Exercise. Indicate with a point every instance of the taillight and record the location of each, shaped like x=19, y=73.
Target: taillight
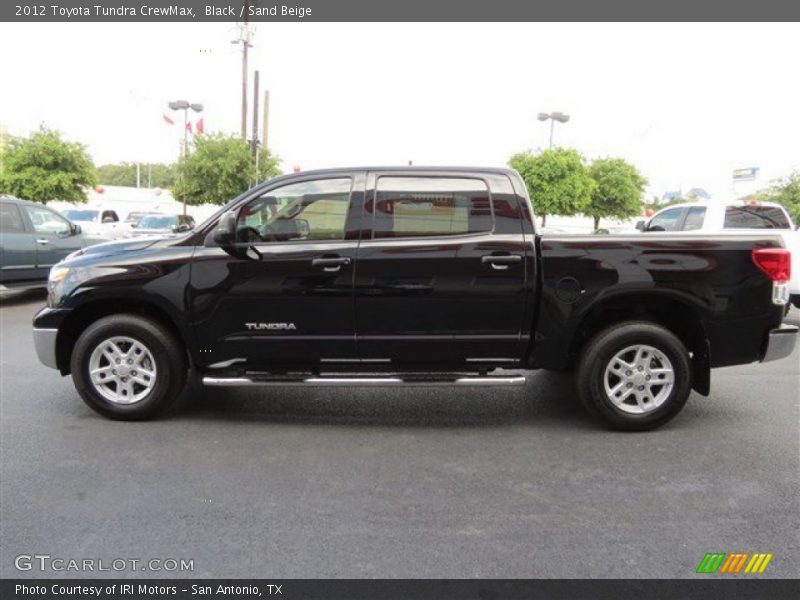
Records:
x=775, y=262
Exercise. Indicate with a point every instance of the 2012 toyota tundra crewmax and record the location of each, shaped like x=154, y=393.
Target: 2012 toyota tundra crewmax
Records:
x=411, y=276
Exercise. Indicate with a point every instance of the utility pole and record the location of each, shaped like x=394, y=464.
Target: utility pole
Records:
x=245, y=35
x=265, y=134
x=254, y=141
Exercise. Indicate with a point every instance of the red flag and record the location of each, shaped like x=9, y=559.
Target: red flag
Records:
x=200, y=127
x=168, y=120
x=189, y=126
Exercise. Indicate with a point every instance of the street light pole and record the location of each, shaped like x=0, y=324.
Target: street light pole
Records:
x=553, y=117
x=185, y=106
x=245, y=35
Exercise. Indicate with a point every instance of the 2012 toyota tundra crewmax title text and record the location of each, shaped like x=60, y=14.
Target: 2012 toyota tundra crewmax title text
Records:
x=392, y=276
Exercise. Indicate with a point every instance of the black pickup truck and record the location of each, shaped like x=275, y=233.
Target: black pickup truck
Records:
x=412, y=276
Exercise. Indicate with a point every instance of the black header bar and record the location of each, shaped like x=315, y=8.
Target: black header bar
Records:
x=397, y=10
x=739, y=587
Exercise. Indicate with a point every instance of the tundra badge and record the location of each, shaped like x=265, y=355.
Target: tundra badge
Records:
x=270, y=326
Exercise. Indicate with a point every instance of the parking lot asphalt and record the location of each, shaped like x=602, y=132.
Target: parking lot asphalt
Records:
x=407, y=483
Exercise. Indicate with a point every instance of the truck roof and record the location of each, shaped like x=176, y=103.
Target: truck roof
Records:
x=420, y=169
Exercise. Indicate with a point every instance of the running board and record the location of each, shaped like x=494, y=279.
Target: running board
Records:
x=361, y=381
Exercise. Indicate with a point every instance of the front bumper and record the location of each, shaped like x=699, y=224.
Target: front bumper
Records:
x=780, y=343
x=44, y=340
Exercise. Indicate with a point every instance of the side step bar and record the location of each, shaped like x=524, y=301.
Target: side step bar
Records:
x=361, y=381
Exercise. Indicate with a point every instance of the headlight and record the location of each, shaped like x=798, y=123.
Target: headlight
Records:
x=58, y=274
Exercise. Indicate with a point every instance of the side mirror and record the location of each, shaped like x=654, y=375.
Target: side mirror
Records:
x=225, y=233
x=76, y=229
x=181, y=228
x=641, y=225
x=134, y=225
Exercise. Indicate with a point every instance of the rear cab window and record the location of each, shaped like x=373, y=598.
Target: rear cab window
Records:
x=430, y=206
x=755, y=217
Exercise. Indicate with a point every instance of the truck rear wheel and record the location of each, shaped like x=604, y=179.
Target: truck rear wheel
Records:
x=128, y=367
x=634, y=375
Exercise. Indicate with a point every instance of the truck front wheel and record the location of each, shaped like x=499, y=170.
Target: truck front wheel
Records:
x=128, y=367
x=634, y=375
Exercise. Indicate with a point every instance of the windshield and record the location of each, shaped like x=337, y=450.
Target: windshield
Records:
x=81, y=215
x=158, y=222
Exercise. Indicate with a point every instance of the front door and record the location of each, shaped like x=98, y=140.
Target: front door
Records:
x=291, y=302
x=442, y=277
x=55, y=237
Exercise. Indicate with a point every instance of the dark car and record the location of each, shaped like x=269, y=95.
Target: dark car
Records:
x=411, y=276
x=33, y=238
x=157, y=224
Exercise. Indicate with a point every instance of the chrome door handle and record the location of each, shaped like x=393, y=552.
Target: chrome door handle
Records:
x=42, y=241
x=501, y=262
x=330, y=264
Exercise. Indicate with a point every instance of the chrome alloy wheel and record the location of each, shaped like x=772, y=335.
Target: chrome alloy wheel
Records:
x=122, y=370
x=638, y=379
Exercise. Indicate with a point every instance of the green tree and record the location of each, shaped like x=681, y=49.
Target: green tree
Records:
x=45, y=167
x=219, y=169
x=618, y=191
x=557, y=180
x=785, y=191
x=124, y=173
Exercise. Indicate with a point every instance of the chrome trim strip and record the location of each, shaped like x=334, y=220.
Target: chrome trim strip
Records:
x=361, y=381
x=44, y=340
x=516, y=380
x=780, y=343
x=492, y=360
x=355, y=360
x=662, y=236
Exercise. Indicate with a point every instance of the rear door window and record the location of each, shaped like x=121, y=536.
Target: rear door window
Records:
x=10, y=219
x=694, y=219
x=430, y=206
x=755, y=217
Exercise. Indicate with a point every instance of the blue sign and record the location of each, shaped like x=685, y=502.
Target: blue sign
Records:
x=748, y=174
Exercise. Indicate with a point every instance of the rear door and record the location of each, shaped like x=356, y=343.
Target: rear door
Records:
x=17, y=246
x=440, y=275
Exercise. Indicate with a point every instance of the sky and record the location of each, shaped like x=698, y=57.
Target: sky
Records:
x=685, y=103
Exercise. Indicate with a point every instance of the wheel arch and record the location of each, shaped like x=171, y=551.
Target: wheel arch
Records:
x=682, y=318
x=87, y=313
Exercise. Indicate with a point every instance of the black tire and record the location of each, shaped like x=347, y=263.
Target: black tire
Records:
x=167, y=353
x=604, y=346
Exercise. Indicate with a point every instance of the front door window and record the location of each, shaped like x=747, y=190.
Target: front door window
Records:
x=307, y=211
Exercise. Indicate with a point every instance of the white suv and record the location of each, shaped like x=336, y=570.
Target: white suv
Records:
x=733, y=217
